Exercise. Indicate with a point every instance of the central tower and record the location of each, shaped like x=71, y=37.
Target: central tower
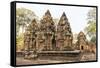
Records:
x=47, y=28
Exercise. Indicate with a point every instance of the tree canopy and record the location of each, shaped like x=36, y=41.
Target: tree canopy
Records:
x=91, y=24
x=23, y=18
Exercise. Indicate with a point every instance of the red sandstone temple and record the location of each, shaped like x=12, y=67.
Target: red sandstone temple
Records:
x=46, y=38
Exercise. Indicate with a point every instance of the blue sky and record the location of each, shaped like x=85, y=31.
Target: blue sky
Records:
x=77, y=16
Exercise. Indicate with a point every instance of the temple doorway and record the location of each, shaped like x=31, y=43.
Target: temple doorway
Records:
x=82, y=47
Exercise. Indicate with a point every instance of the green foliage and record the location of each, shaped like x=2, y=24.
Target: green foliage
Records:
x=23, y=18
x=91, y=24
x=93, y=39
x=92, y=14
x=91, y=28
x=20, y=42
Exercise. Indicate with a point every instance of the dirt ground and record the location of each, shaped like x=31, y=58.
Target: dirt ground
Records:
x=88, y=57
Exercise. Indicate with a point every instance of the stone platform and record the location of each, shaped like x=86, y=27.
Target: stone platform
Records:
x=59, y=55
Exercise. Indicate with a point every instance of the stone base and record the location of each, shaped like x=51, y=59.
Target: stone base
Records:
x=59, y=55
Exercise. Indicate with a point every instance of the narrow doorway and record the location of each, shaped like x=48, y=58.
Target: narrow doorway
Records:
x=82, y=47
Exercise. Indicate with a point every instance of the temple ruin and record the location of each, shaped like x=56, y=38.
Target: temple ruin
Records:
x=46, y=38
x=82, y=43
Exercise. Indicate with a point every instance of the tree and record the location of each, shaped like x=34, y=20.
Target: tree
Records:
x=91, y=25
x=23, y=18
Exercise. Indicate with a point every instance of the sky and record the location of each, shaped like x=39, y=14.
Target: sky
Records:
x=77, y=16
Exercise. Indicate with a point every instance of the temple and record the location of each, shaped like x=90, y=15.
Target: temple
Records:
x=82, y=43
x=30, y=38
x=46, y=38
x=45, y=35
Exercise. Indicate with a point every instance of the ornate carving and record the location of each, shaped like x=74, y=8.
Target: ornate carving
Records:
x=64, y=34
x=82, y=42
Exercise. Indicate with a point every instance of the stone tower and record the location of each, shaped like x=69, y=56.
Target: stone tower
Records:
x=33, y=29
x=46, y=33
x=64, y=34
x=29, y=38
x=82, y=42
